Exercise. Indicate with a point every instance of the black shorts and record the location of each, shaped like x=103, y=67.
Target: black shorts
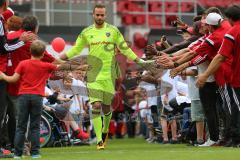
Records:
x=176, y=108
x=60, y=112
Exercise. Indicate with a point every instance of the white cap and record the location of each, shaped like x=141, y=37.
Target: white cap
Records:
x=213, y=19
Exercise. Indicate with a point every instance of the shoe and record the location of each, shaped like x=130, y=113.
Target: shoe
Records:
x=5, y=153
x=174, y=141
x=197, y=143
x=150, y=140
x=100, y=146
x=158, y=131
x=104, y=138
x=165, y=142
x=36, y=156
x=230, y=143
x=208, y=143
x=41, y=140
x=80, y=134
x=17, y=157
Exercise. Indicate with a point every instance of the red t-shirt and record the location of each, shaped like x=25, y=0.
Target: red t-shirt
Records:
x=34, y=74
x=194, y=45
x=209, y=49
x=17, y=56
x=231, y=49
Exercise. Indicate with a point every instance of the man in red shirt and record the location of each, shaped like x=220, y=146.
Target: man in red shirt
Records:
x=229, y=48
x=29, y=24
x=4, y=49
x=206, y=51
x=33, y=74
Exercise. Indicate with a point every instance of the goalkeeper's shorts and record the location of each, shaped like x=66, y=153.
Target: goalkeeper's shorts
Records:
x=101, y=91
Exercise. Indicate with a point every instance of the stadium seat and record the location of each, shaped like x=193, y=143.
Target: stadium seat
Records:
x=171, y=7
x=187, y=6
x=135, y=7
x=140, y=19
x=128, y=19
x=155, y=21
x=122, y=6
x=155, y=6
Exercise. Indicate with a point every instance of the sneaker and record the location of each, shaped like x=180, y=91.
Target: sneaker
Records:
x=36, y=156
x=198, y=142
x=80, y=134
x=5, y=153
x=104, y=138
x=17, y=157
x=41, y=140
x=174, y=141
x=100, y=145
x=165, y=142
x=208, y=143
x=231, y=143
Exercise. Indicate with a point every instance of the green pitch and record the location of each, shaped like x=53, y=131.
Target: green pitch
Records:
x=138, y=149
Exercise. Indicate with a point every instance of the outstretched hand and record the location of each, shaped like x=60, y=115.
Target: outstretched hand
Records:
x=174, y=72
x=165, y=61
x=151, y=50
x=147, y=64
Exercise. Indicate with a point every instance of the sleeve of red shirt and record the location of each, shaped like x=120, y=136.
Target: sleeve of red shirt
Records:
x=5, y=46
x=51, y=67
x=19, y=68
x=203, y=51
x=48, y=57
x=227, y=45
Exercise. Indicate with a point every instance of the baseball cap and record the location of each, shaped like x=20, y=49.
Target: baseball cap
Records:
x=213, y=19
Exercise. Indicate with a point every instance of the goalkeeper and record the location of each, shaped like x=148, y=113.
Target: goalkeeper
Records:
x=101, y=39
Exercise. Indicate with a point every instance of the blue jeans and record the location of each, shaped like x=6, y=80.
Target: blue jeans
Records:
x=28, y=105
x=3, y=106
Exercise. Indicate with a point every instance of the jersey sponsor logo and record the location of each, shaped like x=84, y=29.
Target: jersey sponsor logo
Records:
x=108, y=34
x=103, y=42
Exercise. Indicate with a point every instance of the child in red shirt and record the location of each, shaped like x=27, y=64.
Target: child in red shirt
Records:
x=33, y=74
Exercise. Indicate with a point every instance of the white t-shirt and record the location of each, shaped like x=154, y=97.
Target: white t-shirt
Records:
x=151, y=92
x=168, y=82
x=193, y=91
x=80, y=96
x=202, y=68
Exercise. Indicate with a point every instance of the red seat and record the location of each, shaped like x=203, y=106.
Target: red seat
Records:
x=171, y=6
x=187, y=6
x=140, y=19
x=155, y=6
x=127, y=19
x=155, y=21
x=135, y=7
x=122, y=6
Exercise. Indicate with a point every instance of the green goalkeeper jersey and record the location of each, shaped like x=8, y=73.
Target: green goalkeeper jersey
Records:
x=102, y=43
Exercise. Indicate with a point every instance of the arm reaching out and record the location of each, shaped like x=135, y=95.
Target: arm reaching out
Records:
x=10, y=79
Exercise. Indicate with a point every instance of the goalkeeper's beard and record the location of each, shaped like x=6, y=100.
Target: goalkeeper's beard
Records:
x=99, y=22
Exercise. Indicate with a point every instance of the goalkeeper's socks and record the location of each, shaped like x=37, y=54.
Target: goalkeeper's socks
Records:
x=106, y=121
x=97, y=125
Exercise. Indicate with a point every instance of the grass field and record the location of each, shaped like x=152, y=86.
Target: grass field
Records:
x=138, y=149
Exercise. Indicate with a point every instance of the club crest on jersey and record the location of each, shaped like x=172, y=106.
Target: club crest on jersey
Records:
x=108, y=34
